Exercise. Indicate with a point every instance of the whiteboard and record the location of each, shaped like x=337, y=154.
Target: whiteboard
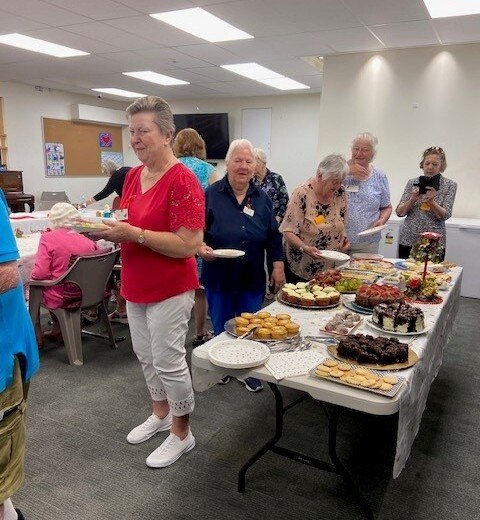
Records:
x=257, y=127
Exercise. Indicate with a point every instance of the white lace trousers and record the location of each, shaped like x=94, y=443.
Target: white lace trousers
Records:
x=158, y=333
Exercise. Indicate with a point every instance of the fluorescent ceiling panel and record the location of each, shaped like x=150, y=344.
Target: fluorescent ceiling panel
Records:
x=201, y=23
x=33, y=44
x=252, y=71
x=283, y=83
x=447, y=8
x=119, y=92
x=263, y=75
x=154, y=77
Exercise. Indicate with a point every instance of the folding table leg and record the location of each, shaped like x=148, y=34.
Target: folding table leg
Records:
x=340, y=468
x=266, y=447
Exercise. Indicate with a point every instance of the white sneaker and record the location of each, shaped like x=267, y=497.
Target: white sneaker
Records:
x=170, y=450
x=149, y=428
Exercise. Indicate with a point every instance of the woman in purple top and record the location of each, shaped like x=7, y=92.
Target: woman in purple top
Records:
x=368, y=195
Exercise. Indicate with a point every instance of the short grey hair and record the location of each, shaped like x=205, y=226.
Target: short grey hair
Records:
x=369, y=138
x=160, y=109
x=260, y=155
x=108, y=167
x=333, y=166
x=239, y=143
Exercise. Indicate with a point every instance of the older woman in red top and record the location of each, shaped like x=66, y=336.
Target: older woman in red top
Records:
x=163, y=231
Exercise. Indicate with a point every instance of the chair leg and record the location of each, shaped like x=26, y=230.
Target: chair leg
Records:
x=102, y=309
x=71, y=327
x=34, y=303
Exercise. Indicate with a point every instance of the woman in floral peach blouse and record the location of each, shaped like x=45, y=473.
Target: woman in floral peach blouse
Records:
x=315, y=220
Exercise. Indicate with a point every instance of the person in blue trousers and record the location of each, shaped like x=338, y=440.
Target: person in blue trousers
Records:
x=239, y=215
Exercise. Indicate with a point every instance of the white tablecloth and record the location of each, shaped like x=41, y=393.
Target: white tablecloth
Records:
x=38, y=220
x=409, y=402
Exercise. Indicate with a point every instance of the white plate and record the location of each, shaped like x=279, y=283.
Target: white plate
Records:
x=336, y=256
x=371, y=231
x=370, y=323
x=89, y=228
x=238, y=353
x=227, y=253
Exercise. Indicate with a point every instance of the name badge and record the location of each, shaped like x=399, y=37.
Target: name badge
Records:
x=320, y=219
x=352, y=188
x=248, y=211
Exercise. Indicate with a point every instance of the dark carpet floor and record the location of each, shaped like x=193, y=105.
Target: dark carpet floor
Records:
x=79, y=465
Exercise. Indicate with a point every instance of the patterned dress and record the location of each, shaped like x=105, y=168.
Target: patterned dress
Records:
x=274, y=186
x=419, y=220
x=319, y=225
x=365, y=200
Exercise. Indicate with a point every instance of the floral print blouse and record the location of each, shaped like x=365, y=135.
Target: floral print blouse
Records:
x=274, y=186
x=319, y=225
x=419, y=220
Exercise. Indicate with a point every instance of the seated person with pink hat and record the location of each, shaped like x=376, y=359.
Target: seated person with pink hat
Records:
x=53, y=258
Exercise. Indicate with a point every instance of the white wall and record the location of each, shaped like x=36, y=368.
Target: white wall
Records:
x=294, y=148
x=411, y=99
x=24, y=108
x=295, y=125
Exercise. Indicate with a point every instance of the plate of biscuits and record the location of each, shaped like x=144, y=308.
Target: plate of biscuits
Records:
x=358, y=377
x=263, y=325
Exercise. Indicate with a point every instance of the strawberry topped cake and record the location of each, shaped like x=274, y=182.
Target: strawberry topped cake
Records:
x=371, y=295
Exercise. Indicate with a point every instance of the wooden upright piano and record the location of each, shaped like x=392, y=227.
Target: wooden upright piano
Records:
x=11, y=182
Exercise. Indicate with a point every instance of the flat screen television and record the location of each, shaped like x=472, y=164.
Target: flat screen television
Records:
x=212, y=127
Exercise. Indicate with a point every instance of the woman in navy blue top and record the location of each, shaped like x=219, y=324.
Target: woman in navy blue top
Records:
x=239, y=215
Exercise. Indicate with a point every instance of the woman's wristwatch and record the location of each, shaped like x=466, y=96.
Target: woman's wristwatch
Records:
x=141, y=237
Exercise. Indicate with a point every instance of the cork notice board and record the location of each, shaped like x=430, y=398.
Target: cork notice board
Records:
x=81, y=144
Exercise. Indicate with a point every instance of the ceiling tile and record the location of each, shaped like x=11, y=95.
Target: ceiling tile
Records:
x=459, y=29
x=407, y=34
x=69, y=39
x=157, y=6
x=12, y=23
x=146, y=27
x=106, y=33
x=373, y=12
x=208, y=52
x=95, y=9
x=42, y=12
x=291, y=66
x=358, y=39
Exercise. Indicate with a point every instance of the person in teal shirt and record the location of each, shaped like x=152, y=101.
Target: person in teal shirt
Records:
x=18, y=362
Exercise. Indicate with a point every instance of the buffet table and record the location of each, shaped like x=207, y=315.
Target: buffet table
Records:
x=409, y=402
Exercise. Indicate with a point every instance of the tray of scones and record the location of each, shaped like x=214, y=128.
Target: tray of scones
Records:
x=358, y=377
x=265, y=326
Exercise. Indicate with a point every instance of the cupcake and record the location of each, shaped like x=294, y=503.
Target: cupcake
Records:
x=334, y=297
x=292, y=328
x=241, y=330
x=308, y=300
x=241, y=322
x=247, y=315
x=263, y=333
x=322, y=299
x=301, y=285
x=263, y=315
x=289, y=286
x=279, y=333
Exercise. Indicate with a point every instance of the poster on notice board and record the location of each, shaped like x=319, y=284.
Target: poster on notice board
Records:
x=55, y=159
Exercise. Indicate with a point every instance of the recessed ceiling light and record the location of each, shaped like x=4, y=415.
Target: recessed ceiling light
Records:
x=283, y=83
x=119, y=92
x=154, y=77
x=447, y=8
x=265, y=76
x=35, y=45
x=252, y=71
x=201, y=23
